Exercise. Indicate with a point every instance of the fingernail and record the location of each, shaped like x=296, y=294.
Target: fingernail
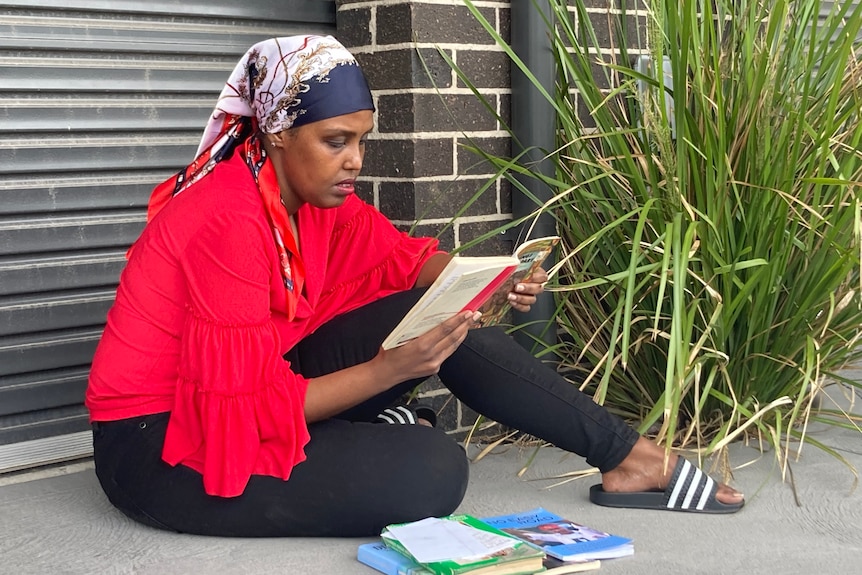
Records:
x=477, y=315
x=512, y=297
x=520, y=287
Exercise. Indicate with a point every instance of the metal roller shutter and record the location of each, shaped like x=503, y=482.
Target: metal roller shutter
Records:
x=99, y=101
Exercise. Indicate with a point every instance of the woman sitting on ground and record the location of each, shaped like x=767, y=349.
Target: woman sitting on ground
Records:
x=236, y=388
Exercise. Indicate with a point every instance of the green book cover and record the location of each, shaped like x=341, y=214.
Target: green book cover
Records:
x=519, y=559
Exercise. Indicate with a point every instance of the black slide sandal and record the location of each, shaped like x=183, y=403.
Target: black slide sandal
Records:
x=689, y=489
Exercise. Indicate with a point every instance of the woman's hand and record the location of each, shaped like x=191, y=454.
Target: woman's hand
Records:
x=422, y=356
x=523, y=295
x=332, y=393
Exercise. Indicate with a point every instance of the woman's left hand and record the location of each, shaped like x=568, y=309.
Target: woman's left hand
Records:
x=523, y=295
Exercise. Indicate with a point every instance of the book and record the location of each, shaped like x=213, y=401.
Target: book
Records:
x=477, y=283
x=390, y=562
x=560, y=538
x=554, y=566
x=531, y=255
x=494, y=552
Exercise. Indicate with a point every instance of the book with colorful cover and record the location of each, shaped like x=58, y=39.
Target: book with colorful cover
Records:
x=531, y=254
x=475, y=283
x=517, y=558
x=390, y=562
x=560, y=537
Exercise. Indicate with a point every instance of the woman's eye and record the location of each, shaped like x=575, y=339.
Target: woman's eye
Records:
x=335, y=143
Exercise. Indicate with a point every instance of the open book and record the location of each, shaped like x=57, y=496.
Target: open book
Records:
x=471, y=283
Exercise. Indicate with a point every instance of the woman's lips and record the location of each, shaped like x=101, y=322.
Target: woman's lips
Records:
x=346, y=187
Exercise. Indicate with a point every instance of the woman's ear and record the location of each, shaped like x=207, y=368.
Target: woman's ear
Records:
x=273, y=141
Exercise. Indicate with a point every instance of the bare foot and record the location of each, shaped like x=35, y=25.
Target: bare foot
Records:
x=643, y=470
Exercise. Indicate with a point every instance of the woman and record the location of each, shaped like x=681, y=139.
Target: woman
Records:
x=236, y=385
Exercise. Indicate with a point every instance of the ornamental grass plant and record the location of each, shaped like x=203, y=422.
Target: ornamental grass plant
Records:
x=708, y=190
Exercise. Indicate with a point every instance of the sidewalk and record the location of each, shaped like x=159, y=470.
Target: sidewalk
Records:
x=63, y=524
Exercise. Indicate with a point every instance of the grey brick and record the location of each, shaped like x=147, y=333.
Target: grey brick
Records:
x=584, y=115
x=398, y=200
x=505, y=30
x=493, y=246
x=431, y=23
x=608, y=33
x=433, y=113
x=390, y=158
x=405, y=68
x=439, y=113
x=412, y=200
x=396, y=113
x=365, y=191
x=445, y=234
x=444, y=24
x=403, y=158
x=485, y=69
x=615, y=4
x=354, y=27
x=505, y=196
x=394, y=24
x=434, y=157
x=470, y=162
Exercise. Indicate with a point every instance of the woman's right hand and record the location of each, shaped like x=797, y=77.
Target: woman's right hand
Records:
x=332, y=393
x=423, y=356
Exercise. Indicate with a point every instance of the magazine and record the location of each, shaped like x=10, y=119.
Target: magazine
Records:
x=560, y=537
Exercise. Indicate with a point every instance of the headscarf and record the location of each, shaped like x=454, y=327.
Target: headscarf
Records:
x=278, y=84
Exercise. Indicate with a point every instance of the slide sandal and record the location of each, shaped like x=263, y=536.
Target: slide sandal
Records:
x=408, y=414
x=689, y=489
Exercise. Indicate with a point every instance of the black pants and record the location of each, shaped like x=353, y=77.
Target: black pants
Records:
x=360, y=476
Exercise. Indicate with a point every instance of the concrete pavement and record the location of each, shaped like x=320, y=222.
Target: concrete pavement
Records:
x=58, y=521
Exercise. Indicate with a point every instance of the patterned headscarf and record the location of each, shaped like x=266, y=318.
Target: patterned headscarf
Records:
x=278, y=84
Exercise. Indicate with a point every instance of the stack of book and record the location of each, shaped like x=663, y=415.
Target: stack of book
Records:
x=535, y=541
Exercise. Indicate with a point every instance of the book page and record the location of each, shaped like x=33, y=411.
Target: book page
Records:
x=459, y=292
x=431, y=540
x=457, y=286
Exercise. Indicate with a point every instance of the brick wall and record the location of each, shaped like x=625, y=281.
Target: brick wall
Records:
x=415, y=168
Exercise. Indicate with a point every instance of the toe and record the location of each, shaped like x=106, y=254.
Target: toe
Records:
x=728, y=495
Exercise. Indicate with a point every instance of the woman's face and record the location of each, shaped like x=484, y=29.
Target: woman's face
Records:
x=318, y=163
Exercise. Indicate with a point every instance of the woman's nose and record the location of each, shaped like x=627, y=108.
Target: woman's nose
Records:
x=354, y=159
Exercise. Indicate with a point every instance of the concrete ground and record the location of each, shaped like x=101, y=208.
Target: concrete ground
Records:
x=58, y=521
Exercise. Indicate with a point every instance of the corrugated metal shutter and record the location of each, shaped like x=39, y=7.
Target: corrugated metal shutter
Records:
x=99, y=101
x=827, y=7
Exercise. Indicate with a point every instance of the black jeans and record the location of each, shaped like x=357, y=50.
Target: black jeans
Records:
x=360, y=476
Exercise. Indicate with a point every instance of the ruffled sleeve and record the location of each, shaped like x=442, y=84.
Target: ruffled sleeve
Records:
x=368, y=259
x=238, y=408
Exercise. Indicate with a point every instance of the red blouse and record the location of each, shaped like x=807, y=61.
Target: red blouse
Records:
x=198, y=327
